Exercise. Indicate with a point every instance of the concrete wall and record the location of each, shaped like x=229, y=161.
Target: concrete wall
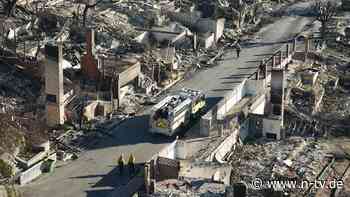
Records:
x=169, y=151
x=258, y=107
x=206, y=124
x=277, y=77
x=247, y=87
x=166, y=169
x=176, y=150
x=244, y=130
x=231, y=98
x=31, y=173
x=37, y=158
x=181, y=149
x=208, y=40
x=130, y=74
x=277, y=92
x=143, y=38
x=220, y=26
x=34, y=171
x=273, y=126
x=206, y=25
x=254, y=87
x=209, y=120
x=225, y=147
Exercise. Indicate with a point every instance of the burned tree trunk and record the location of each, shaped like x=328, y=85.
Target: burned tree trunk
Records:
x=86, y=9
x=324, y=11
x=240, y=9
x=323, y=30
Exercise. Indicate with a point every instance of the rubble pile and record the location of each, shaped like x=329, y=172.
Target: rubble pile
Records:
x=17, y=91
x=189, y=187
x=305, y=89
x=10, y=136
x=295, y=157
x=73, y=141
x=258, y=14
x=115, y=23
x=16, y=132
x=315, y=98
x=336, y=104
x=131, y=102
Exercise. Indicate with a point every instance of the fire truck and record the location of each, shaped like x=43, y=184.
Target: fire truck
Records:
x=176, y=111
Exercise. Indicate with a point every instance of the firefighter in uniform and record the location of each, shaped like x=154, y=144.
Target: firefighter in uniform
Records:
x=131, y=163
x=121, y=163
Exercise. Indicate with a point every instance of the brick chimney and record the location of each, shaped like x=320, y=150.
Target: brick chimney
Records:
x=90, y=42
x=89, y=62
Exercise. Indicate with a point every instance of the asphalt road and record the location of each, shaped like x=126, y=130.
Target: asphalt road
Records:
x=94, y=173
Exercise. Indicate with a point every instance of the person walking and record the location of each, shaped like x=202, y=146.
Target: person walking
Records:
x=238, y=49
x=131, y=163
x=121, y=164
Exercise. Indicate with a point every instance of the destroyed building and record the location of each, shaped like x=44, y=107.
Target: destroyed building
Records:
x=126, y=53
x=98, y=85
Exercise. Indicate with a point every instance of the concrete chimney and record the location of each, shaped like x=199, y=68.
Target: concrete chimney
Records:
x=54, y=84
x=277, y=91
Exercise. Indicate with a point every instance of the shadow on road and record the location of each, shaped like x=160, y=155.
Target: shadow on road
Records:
x=221, y=89
x=261, y=44
x=253, y=61
x=135, y=131
x=109, y=182
x=231, y=82
x=132, y=131
x=98, y=193
x=247, y=68
x=211, y=101
x=264, y=54
x=238, y=76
